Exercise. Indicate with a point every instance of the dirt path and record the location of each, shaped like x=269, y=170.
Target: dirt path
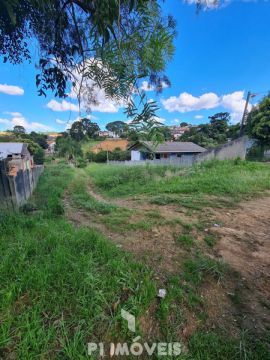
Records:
x=243, y=300
x=245, y=245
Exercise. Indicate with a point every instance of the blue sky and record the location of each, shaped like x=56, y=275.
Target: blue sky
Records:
x=220, y=55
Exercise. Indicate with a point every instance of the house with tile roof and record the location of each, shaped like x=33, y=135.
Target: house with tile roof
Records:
x=144, y=150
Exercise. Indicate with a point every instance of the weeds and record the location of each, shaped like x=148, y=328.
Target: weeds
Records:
x=186, y=240
x=232, y=181
x=59, y=284
x=210, y=240
x=196, y=268
x=63, y=286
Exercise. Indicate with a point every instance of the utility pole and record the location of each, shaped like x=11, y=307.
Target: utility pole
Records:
x=244, y=114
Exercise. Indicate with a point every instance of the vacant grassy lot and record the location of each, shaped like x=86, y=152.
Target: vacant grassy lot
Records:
x=64, y=285
x=233, y=180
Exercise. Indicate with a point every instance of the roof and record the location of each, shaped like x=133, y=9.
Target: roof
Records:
x=9, y=148
x=110, y=145
x=170, y=147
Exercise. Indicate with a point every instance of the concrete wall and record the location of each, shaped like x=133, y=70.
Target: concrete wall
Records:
x=184, y=160
x=15, y=190
x=231, y=150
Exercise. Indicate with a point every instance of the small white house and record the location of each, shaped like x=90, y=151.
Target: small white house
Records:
x=147, y=150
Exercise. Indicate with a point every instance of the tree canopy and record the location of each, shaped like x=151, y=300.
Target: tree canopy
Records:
x=36, y=142
x=258, y=123
x=67, y=147
x=87, y=45
x=83, y=128
x=117, y=127
x=212, y=134
x=18, y=129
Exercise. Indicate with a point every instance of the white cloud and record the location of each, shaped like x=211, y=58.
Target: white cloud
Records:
x=38, y=126
x=11, y=89
x=176, y=121
x=198, y=117
x=29, y=126
x=208, y=4
x=62, y=106
x=91, y=117
x=160, y=120
x=13, y=113
x=233, y=103
x=92, y=97
x=4, y=121
x=21, y=121
x=61, y=122
x=100, y=103
x=187, y=102
x=147, y=87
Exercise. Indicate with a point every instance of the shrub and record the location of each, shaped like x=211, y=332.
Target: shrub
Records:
x=39, y=156
x=119, y=155
x=100, y=157
x=90, y=156
x=81, y=162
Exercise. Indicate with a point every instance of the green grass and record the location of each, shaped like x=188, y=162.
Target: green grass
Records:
x=196, y=268
x=186, y=240
x=230, y=180
x=210, y=239
x=83, y=199
x=60, y=284
x=212, y=346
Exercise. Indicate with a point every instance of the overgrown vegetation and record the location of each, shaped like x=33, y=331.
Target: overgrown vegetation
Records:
x=230, y=180
x=218, y=131
x=62, y=286
x=59, y=284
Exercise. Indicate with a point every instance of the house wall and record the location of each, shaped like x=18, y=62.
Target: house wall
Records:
x=135, y=155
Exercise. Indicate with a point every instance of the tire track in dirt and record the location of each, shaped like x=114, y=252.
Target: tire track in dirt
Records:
x=244, y=243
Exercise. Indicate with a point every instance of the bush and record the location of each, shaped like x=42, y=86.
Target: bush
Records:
x=39, y=156
x=81, y=162
x=115, y=155
x=100, y=157
x=119, y=155
x=90, y=156
x=256, y=153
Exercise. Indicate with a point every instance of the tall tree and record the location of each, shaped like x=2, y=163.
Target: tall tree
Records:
x=68, y=148
x=40, y=139
x=117, y=127
x=83, y=128
x=19, y=130
x=258, y=123
x=183, y=124
x=211, y=134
